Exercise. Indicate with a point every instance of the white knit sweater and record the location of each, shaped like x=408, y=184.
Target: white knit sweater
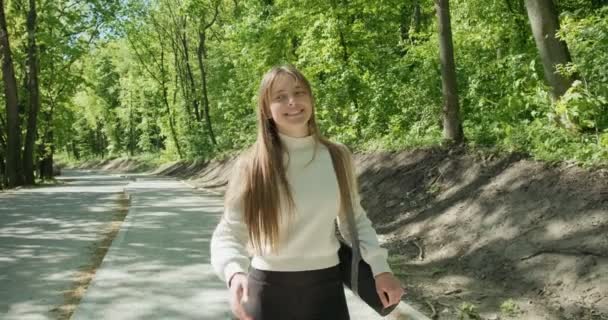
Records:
x=307, y=240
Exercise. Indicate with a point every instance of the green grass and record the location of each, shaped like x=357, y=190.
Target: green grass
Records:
x=509, y=308
x=468, y=311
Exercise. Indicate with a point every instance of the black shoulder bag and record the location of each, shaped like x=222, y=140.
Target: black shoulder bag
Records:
x=356, y=273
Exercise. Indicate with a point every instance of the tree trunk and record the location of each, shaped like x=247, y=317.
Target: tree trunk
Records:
x=3, y=178
x=163, y=83
x=180, y=76
x=352, y=92
x=13, y=130
x=100, y=138
x=190, y=76
x=131, y=124
x=75, y=151
x=544, y=21
x=202, y=54
x=46, y=164
x=34, y=99
x=452, y=129
x=46, y=168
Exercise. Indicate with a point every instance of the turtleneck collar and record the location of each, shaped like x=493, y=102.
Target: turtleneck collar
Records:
x=292, y=143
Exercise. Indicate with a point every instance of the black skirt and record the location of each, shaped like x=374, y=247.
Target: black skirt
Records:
x=299, y=295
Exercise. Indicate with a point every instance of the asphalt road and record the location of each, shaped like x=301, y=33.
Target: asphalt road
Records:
x=157, y=267
x=46, y=235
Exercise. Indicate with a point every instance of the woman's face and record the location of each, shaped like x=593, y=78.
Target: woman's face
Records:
x=290, y=106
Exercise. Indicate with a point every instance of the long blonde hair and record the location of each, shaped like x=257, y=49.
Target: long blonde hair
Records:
x=261, y=172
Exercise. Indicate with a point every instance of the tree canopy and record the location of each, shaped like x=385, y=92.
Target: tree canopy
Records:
x=179, y=78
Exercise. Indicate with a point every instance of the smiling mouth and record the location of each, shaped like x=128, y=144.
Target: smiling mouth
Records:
x=295, y=113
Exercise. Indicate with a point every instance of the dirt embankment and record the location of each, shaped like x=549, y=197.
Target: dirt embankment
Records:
x=502, y=238
x=480, y=237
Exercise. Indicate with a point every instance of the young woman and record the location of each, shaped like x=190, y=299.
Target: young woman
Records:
x=280, y=207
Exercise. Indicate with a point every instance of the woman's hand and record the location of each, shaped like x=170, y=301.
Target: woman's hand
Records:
x=238, y=294
x=389, y=289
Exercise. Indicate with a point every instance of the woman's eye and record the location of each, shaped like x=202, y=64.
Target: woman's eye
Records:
x=300, y=93
x=280, y=97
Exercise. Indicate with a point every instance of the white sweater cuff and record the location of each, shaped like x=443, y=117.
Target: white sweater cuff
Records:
x=231, y=269
x=379, y=265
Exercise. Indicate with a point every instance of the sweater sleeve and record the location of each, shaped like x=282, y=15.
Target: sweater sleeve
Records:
x=371, y=252
x=228, y=242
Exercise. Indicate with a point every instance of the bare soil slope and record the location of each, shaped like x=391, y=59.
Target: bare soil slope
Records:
x=503, y=238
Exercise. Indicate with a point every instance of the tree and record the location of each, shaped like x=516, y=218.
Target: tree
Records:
x=160, y=75
x=65, y=42
x=452, y=128
x=3, y=177
x=34, y=96
x=13, y=151
x=373, y=67
x=553, y=51
x=201, y=54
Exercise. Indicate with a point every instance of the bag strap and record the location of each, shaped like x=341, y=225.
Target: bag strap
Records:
x=354, y=235
x=352, y=229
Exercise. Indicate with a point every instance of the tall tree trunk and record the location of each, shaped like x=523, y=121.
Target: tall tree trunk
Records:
x=545, y=23
x=192, y=86
x=34, y=96
x=202, y=54
x=13, y=130
x=46, y=163
x=45, y=168
x=452, y=128
x=163, y=83
x=131, y=124
x=180, y=79
x=352, y=91
x=101, y=141
x=75, y=151
x=3, y=178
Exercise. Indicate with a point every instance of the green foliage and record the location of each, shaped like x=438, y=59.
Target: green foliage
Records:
x=587, y=37
x=374, y=70
x=468, y=311
x=581, y=109
x=509, y=308
x=505, y=104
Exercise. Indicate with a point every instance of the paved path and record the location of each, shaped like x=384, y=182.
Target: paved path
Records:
x=156, y=268
x=46, y=236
